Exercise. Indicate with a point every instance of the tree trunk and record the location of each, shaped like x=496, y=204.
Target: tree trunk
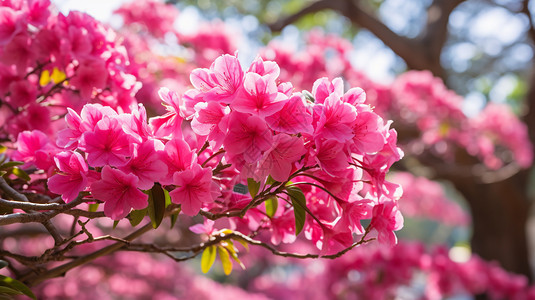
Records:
x=500, y=212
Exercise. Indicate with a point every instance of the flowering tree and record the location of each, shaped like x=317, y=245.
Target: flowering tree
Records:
x=238, y=155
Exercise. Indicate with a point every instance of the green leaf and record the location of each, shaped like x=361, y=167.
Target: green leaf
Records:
x=16, y=285
x=208, y=258
x=2, y=149
x=270, y=180
x=93, y=207
x=167, y=197
x=156, y=205
x=254, y=187
x=115, y=223
x=272, y=204
x=174, y=218
x=3, y=264
x=10, y=164
x=299, y=204
x=225, y=260
x=4, y=290
x=136, y=216
x=21, y=174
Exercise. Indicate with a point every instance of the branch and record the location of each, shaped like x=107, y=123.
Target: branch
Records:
x=525, y=9
x=421, y=53
x=29, y=205
x=21, y=198
x=312, y=8
x=195, y=250
x=35, y=279
x=39, y=217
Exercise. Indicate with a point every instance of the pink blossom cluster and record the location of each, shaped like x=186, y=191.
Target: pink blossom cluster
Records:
x=147, y=278
x=160, y=62
x=233, y=129
x=155, y=17
x=425, y=198
x=324, y=56
x=408, y=271
x=267, y=130
x=51, y=61
x=210, y=40
x=428, y=115
x=500, y=126
x=424, y=100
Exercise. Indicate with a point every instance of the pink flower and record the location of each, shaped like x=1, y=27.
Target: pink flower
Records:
x=38, y=12
x=247, y=135
x=71, y=179
x=352, y=213
x=11, y=22
x=221, y=81
x=178, y=157
x=368, y=133
x=34, y=147
x=278, y=160
x=90, y=74
x=206, y=228
x=135, y=123
x=108, y=144
x=92, y=113
x=355, y=96
x=76, y=125
x=19, y=52
x=262, y=68
x=207, y=117
x=386, y=219
x=259, y=96
x=22, y=92
x=323, y=88
x=336, y=119
x=170, y=123
x=331, y=156
x=146, y=164
x=193, y=188
x=119, y=192
x=293, y=118
x=283, y=228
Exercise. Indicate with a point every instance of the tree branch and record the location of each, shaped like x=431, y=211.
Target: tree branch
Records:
x=312, y=8
x=35, y=279
x=422, y=53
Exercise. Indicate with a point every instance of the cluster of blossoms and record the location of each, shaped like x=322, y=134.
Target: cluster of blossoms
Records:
x=49, y=62
x=407, y=271
x=421, y=99
x=162, y=56
x=246, y=130
x=147, y=279
x=428, y=115
x=426, y=199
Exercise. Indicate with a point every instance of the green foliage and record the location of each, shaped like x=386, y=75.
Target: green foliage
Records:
x=136, y=216
x=271, y=206
x=299, y=205
x=253, y=186
x=156, y=208
x=12, y=286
